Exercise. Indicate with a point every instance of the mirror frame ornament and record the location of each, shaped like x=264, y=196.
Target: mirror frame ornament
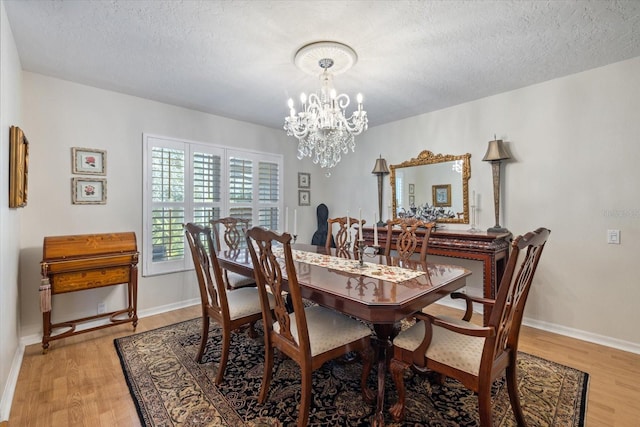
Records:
x=426, y=157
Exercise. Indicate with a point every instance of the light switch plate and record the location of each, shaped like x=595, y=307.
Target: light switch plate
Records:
x=613, y=237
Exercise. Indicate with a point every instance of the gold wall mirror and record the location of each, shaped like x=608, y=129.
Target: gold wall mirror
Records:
x=433, y=187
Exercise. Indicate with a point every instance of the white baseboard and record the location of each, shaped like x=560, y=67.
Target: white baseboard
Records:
x=563, y=330
x=583, y=335
x=10, y=386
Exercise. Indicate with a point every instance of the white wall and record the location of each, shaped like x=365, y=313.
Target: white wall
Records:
x=575, y=148
x=60, y=115
x=10, y=94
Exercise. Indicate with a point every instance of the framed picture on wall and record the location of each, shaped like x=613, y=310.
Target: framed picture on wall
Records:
x=412, y=200
x=412, y=188
x=304, y=180
x=441, y=195
x=88, y=161
x=88, y=191
x=304, y=197
x=18, y=167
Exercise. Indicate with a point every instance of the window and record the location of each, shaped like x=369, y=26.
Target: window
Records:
x=186, y=181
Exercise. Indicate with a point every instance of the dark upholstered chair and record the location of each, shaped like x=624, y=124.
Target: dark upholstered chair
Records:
x=231, y=231
x=231, y=309
x=472, y=354
x=310, y=336
x=343, y=238
x=406, y=242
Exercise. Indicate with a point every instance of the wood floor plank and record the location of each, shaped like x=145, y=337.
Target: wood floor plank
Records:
x=79, y=382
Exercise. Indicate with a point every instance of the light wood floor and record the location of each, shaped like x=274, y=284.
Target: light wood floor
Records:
x=80, y=381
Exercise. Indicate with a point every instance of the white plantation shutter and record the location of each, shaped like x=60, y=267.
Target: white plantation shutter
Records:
x=186, y=181
x=268, y=194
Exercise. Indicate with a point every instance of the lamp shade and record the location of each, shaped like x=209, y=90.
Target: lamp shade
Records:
x=380, y=167
x=495, y=151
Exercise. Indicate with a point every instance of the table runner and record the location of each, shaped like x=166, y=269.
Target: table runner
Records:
x=378, y=271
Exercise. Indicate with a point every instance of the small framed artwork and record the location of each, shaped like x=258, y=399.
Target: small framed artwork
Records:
x=88, y=161
x=412, y=189
x=18, y=167
x=412, y=200
x=89, y=191
x=304, y=197
x=304, y=180
x=441, y=195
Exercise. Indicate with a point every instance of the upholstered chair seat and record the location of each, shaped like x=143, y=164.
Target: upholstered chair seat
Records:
x=244, y=302
x=460, y=351
x=327, y=329
x=236, y=281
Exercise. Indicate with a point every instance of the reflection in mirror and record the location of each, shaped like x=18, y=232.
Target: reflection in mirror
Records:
x=432, y=187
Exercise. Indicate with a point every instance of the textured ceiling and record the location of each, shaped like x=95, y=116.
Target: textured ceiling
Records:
x=235, y=58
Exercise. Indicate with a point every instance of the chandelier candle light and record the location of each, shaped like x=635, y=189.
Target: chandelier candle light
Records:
x=321, y=126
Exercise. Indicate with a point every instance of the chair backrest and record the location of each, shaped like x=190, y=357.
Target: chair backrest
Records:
x=407, y=240
x=212, y=291
x=269, y=273
x=230, y=230
x=507, y=312
x=343, y=240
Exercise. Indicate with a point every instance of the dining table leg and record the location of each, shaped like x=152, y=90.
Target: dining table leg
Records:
x=384, y=336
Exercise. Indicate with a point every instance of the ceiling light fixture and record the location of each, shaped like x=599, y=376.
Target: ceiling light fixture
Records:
x=321, y=126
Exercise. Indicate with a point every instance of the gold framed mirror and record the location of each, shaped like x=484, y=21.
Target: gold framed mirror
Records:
x=434, y=187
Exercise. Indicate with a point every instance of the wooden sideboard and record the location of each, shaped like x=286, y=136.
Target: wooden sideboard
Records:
x=86, y=261
x=492, y=249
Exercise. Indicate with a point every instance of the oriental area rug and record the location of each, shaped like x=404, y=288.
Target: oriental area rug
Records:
x=170, y=388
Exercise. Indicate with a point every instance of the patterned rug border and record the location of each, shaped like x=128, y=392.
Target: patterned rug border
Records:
x=145, y=420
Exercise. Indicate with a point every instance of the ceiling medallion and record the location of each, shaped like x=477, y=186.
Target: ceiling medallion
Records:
x=321, y=126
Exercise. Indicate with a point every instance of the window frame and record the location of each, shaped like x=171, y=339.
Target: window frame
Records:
x=151, y=268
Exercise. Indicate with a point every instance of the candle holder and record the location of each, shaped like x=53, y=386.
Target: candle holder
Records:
x=473, y=228
x=362, y=247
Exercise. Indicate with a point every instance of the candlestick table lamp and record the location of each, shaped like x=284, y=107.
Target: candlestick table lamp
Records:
x=496, y=154
x=381, y=170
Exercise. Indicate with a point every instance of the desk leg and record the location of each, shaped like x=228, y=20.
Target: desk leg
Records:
x=384, y=335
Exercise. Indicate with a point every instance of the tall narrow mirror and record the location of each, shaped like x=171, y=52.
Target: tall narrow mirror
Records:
x=433, y=187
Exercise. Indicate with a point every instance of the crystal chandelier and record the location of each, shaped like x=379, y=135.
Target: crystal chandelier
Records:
x=322, y=127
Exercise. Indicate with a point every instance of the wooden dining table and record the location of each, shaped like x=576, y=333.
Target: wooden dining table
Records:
x=379, y=301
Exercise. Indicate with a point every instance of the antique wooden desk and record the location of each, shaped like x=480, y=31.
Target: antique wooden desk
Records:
x=87, y=261
x=380, y=302
x=492, y=249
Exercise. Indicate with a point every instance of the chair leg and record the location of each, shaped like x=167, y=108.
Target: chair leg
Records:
x=367, y=361
x=397, y=369
x=204, y=338
x=252, y=331
x=514, y=397
x=266, y=376
x=484, y=404
x=305, y=401
x=224, y=356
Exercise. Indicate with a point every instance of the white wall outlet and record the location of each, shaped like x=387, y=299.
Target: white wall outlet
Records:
x=102, y=307
x=613, y=237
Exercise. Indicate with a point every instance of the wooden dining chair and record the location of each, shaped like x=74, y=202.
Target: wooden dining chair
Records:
x=343, y=238
x=310, y=336
x=472, y=354
x=231, y=230
x=231, y=309
x=407, y=240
